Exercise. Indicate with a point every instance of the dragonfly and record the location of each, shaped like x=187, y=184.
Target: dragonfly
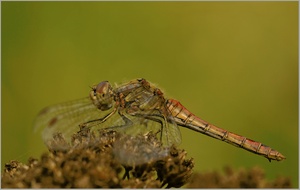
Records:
x=137, y=107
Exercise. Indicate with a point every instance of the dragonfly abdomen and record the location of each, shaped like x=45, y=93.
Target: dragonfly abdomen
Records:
x=185, y=118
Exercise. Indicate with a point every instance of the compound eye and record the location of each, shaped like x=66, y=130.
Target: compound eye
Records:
x=102, y=87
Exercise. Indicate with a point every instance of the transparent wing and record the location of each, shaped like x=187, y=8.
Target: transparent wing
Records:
x=65, y=118
x=173, y=132
x=140, y=149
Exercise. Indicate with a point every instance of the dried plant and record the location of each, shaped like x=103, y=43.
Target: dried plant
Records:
x=241, y=178
x=108, y=159
x=104, y=160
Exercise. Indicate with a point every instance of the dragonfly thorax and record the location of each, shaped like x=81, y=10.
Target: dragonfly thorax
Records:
x=102, y=96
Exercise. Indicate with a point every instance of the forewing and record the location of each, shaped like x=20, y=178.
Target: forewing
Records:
x=65, y=118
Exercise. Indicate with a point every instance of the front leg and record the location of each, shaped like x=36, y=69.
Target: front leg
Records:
x=120, y=105
x=94, y=122
x=127, y=122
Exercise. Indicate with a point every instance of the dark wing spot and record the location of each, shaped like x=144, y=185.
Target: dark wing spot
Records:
x=52, y=121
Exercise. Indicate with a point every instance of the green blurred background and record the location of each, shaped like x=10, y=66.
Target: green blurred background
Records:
x=234, y=64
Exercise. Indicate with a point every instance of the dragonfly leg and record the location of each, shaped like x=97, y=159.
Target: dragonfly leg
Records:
x=127, y=123
x=97, y=121
x=156, y=118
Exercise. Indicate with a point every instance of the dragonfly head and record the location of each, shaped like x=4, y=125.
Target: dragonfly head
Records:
x=102, y=95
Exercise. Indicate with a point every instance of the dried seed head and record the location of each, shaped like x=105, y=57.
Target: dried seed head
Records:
x=96, y=159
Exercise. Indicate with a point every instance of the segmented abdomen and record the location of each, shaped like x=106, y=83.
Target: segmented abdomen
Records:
x=185, y=118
